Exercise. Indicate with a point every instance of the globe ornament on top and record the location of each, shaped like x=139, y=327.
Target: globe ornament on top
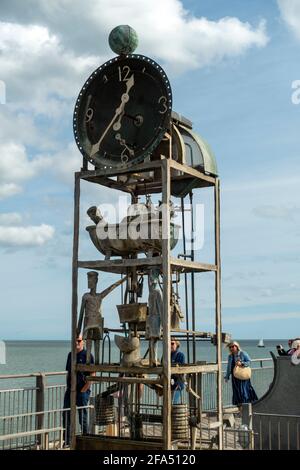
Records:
x=123, y=40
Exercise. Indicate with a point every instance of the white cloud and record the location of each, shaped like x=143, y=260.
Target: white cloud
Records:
x=64, y=41
x=15, y=167
x=11, y=218
x=25, y=236
x=66, y=162
x=9, y=189
x=290, y=12
x=199, y=42
x=29, y=52
x=21, y=128
x=48, y=49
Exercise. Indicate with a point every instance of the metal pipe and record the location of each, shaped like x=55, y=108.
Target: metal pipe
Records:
x=185, y=283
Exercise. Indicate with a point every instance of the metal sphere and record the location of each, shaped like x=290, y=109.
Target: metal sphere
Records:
x=123, y=40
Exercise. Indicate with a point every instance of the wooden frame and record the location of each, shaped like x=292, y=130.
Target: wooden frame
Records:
x=169, y=265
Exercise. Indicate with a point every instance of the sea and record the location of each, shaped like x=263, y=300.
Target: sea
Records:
x=26, y=357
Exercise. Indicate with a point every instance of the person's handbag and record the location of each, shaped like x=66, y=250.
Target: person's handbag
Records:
x=242, y=373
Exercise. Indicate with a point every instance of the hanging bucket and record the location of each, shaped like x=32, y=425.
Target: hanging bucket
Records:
x=180, y=424
x=104, y=410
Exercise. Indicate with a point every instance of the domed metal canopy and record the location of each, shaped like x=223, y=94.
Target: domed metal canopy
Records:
x=193, y=149
x=198, y=153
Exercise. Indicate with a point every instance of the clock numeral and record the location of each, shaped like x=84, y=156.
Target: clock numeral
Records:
x=124, y=158
x=163, y=100
x=143, y=71
x=89, y=114
x=105, y=79
x=124, y=73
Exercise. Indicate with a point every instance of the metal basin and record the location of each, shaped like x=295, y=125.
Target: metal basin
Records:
x=131, y=238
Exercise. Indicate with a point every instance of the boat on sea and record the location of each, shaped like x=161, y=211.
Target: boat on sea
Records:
x=261, y=343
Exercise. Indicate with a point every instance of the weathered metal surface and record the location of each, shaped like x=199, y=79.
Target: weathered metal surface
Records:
x=123, y=39
x=201, y=155
x=179, y=417
x=132, y=313
x=104, y=410
x=172, y=174
x=141, y=233
x=94, y=127
x=282, y=398
x=121, y=266
x=130, y=349
x=195, y=153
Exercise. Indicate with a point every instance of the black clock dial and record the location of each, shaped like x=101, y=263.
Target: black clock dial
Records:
x=122, y=111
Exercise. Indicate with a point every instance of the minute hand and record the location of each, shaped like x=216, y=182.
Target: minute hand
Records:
x=119, y=110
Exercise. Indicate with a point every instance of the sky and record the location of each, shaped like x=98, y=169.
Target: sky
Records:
x=233, y=68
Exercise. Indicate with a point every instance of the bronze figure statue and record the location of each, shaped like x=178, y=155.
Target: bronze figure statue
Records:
x=91, y=315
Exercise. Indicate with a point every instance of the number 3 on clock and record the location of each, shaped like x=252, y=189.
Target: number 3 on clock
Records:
x=162, y=100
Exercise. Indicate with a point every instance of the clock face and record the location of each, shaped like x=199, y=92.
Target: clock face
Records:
x=122, y=111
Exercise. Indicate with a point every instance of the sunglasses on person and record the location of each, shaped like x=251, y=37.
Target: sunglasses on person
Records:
x=232, y=347
x=79, y=340
x=172, y=343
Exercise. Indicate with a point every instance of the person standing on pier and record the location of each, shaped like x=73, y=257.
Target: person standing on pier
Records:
x=242, y=390
x=177, y=380
x=82, y=391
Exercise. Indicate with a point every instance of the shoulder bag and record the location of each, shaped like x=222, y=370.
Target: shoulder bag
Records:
x=242, y=373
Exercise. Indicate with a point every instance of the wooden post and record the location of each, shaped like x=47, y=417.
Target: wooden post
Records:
x=40, y=403
x=166, y=194
x=218, y=310
x=74, y=308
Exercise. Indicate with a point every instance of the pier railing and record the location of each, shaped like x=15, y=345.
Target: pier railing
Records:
x=33, y=402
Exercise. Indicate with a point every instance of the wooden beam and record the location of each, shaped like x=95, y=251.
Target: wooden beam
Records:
x=109, y=183
x=125, y=380
x=188, y=170
x=194, y=369
x=91, y=175
x=166, y=251
x=190, y=266
x=113, y=368
x=74, y=308
x=119, y=266
x=143, y=167
x=218, y=309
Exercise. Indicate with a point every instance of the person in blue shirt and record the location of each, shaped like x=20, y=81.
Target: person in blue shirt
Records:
x=82, y=391
x=177, y=380
x=242, y=390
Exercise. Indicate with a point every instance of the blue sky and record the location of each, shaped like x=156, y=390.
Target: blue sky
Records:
x=231, y=66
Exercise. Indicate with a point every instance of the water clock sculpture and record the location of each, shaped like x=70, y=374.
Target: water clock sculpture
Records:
x=132, y=141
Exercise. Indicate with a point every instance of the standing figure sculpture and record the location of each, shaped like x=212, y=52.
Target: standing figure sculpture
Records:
x=91, y=315
x=155, y=310
x=176, y=312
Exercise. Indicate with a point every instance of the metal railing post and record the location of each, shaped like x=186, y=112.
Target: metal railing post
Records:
x=40, y=403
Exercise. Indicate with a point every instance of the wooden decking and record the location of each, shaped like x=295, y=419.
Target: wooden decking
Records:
x=206, y=433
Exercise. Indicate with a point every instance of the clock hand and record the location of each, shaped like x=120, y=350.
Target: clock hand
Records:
x=117, y=124
x=118, y=112
x=126, y=151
